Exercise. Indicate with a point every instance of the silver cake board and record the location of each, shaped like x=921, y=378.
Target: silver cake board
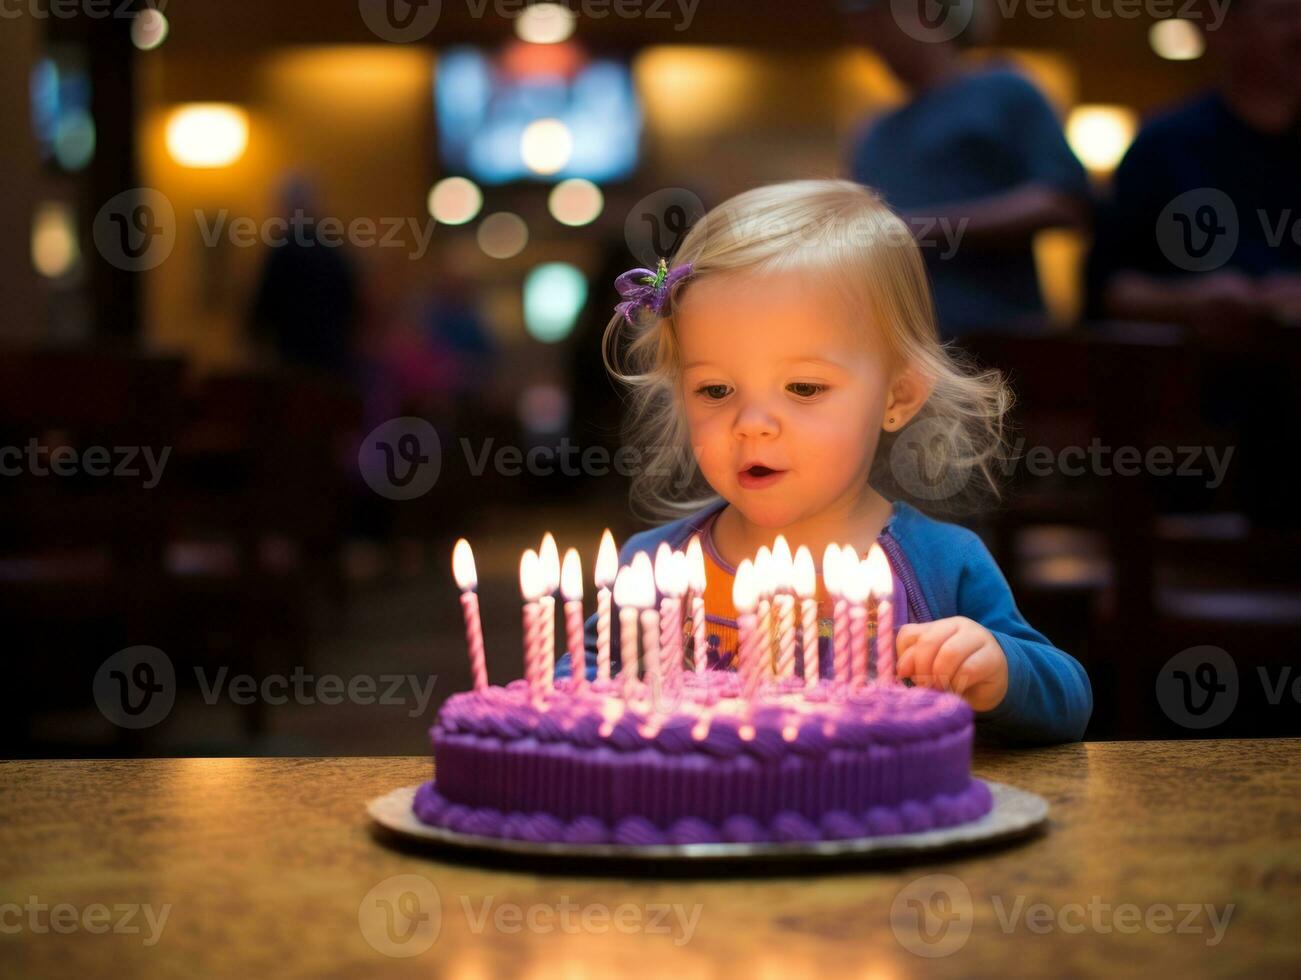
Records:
x=1016, y=814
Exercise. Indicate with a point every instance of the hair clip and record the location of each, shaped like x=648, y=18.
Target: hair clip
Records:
x=644, y=289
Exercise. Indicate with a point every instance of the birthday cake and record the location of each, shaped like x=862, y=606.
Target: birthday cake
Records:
x=589, y=764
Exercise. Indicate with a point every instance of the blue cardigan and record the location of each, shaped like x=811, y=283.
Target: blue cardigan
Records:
x=1048, y=694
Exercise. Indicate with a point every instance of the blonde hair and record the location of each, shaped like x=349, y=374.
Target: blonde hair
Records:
x=843, y=231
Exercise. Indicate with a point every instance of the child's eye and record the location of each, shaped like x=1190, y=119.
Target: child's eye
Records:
x=712, y=393
x=805, y=389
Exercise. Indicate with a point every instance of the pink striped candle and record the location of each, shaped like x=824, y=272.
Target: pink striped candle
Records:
x=530, y=586
x=857, y=594
x=607, y=565
x=467, y=579
x=881, y=579
x=696, y=578
x=806, y=588
x=571, y=587
x=832, y=577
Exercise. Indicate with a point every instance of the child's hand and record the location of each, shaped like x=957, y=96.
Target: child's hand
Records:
x=957, y=655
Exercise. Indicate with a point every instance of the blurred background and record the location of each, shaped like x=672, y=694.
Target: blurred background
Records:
x=296, y=294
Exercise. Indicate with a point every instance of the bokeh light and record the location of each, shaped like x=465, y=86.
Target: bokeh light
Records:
x=545, y=23
x=543, y=409
x=546, y=146
x=554, y=294
x=207, y=134
x=74, y=139
x=575, y=202
x=1100, y=135
x=54, y=240
x=455, y=200
x=1176, y=39
x=149, y=29
x=502, y=235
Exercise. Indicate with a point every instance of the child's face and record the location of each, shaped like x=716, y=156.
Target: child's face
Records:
x=775, y=373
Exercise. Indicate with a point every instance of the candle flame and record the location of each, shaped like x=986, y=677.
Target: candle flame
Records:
x=879, y=578
x=549, y=559
x=463, y=566
x=831, y=570
x=624, y=590
x=571, y=576
x=696, y=565
x=664, y=567
x=607, y=561
x=643, y=581
x=530, y=576
x=745, y=590
x=783, y=566
x=856, y=584
x=806, y=580
x=680, y=574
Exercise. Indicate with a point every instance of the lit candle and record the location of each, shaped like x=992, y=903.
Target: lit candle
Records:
x=806, y=586
x=625, y=595
x=466, y=580
x=644, y=577
x=678, y=580
x=745, y=596
x=571, y=585
x=762, y=561
x=696, y=576
x=882, y=583
x=549, y=563
x=833, y=579
x=670, y=612
x=530, y=582
x=783, y=574
x=607, y=564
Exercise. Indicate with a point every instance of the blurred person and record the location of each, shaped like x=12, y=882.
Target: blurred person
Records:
x=975, y=161
x=1236, y=152
x=306, y=304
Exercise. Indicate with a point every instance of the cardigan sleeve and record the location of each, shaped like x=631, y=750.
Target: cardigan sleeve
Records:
x=1049, y=698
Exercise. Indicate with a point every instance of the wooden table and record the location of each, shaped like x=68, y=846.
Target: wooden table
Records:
x=270, y=868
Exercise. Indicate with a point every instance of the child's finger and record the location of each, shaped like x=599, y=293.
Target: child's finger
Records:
x=922, y=654
x=952, y=654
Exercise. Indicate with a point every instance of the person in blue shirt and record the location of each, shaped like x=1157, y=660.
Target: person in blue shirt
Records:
x=975, y=160
x=786, y=377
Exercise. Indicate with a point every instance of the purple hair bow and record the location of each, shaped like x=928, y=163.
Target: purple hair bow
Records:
x=644, y=289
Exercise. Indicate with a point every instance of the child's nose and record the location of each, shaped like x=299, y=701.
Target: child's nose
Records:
x=754, y=421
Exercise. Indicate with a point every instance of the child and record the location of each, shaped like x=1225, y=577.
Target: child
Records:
x=792, y=348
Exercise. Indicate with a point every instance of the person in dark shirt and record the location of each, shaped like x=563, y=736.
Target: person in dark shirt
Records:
x=976, y=161
x=1203, y=226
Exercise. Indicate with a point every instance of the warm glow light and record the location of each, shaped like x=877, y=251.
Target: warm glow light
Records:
x=463, y=569
x=54, y=240
x=854, y=579
x=207, y=134
x=696, y=565
x=1176, y=39
x=745, y=589
x=806, y=579
x=546, y=146
x=544, y=23
x=607, y=561
x=530, y=576
x=503, y=235
x=455, y=200
x=692, y=91
x=879, y=578
x=571, y=576
x=663, y=567
x=783, y=565
x=1100, y=135
x=575, y=202
x=149, y=29
x=643, y=581
x=549, y=562
x=625, y=588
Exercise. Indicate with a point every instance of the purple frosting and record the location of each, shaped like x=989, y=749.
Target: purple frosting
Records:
x=584, y=766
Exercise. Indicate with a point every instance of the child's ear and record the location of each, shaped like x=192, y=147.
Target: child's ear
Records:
x=908, y=393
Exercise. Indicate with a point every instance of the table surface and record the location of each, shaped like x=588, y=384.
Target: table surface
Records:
x=1180, y=855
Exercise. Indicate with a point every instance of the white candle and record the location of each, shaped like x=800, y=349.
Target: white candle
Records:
x=832, y=578
x=745, y=594
x=881, y=581
x=762, y=563
x=607, y=565
x=530, y=586
x=670, y=610
x=571, y=586
x=783, y=569
x=857, y=594
x=467, y=579
x=806, y=586
x=696, y=577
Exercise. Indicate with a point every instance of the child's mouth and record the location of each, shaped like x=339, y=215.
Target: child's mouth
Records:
x=757, y=477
